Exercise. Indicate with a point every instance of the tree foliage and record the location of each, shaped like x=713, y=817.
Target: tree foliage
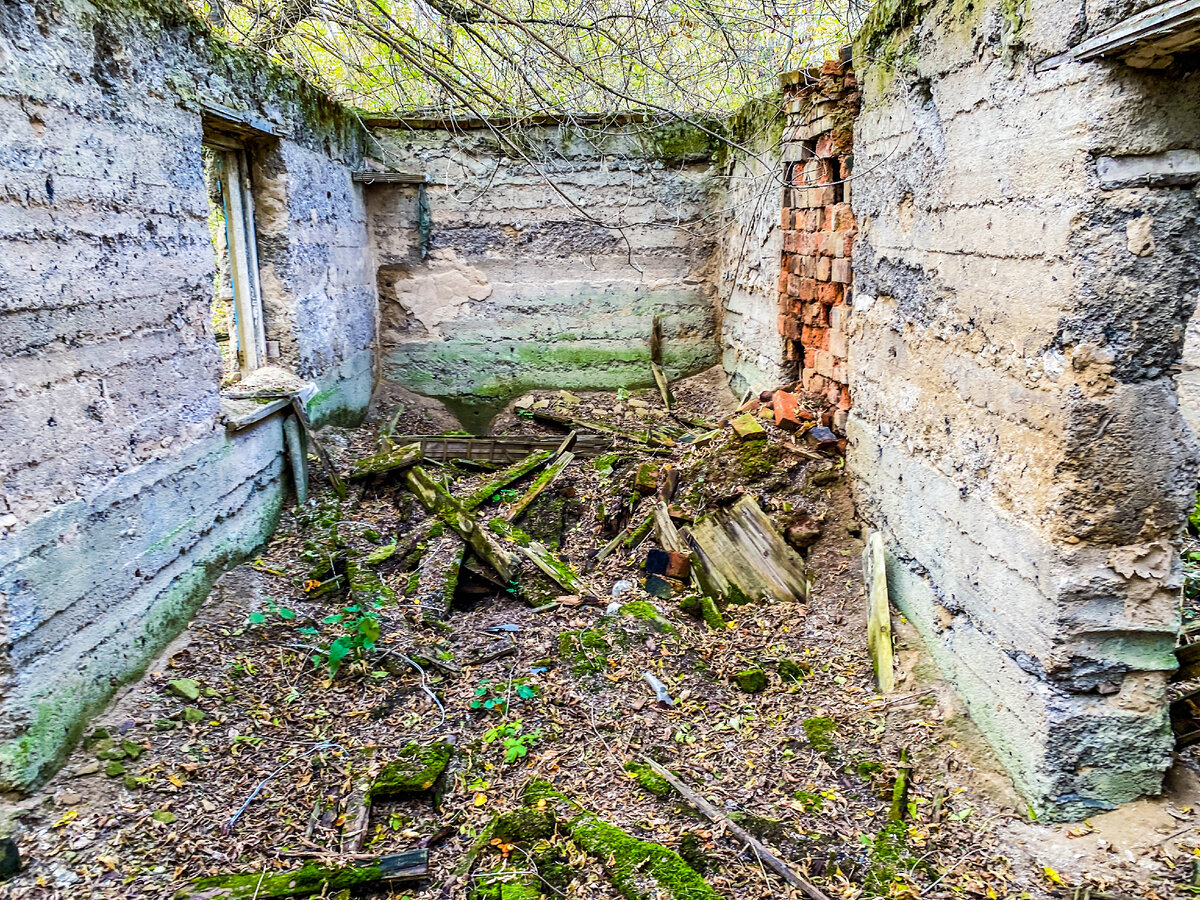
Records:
x=521, y=57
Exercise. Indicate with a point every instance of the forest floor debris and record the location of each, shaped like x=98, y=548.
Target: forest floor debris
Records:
x=364, y=688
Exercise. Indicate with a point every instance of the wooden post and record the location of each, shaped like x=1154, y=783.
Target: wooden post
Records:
x=879, y=617
x=297, y=448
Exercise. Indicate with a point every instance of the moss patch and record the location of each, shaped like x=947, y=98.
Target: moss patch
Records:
x=311, y=879
x=414, y=771
x=585, y=650
x=791, y=670
x=524, y=826
x=649, y=779
x=818, y=731
x=640, y=609
x=703, y=607
x=751, y=681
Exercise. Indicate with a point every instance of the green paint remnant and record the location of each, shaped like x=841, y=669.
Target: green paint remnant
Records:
x=185, y=688
x=751, y=681
x=585, y=650
x=649, y=779
x=818, y=730
x=414, y=771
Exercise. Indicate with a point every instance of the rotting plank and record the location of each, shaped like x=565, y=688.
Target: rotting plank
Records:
x=437, y=500
x=313, y=878
x=540, y=484
x=388, y=461
x=502, y=450
x=506, y=477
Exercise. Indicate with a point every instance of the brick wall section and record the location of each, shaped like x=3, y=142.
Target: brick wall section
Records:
x=816, y=277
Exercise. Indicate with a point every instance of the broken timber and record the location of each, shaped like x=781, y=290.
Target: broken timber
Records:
x=389, y=461
x=773, y=862
x=649, y=439
x=743, y=557
x=664, y=388
x=540, y=484
x=540, y=555
x=503, y=450
x=879, y=618
x=438, y=501
x=311, y=879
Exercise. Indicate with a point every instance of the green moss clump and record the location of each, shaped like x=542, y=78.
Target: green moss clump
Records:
x=554, y=870
x=889, y=853
x=586, y=650
x=791, y=670
x=691, y=851
x=703, y=607
x=311, y=879
x=640, y=609
x=606, y=463
x=524, y=826
x=818, y=730
x=751, y=681
x=413, y=772
x=436, y=530
x=866, y=769
x=649, y=779
x=757, y=459
x=632, y=862
x=810, y=801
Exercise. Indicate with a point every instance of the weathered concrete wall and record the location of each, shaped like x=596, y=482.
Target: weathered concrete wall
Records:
x=750, y=248
x=519, y=290
x=1015, y=433
x=122, y=495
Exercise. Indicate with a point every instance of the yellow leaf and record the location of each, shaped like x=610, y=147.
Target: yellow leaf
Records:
x=480, y=798
x=1052, y=876
x=68, y=816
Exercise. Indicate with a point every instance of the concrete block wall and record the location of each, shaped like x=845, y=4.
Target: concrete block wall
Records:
x=121, y=497
x=549, y=253
x=1014, y=339
x=819, y=229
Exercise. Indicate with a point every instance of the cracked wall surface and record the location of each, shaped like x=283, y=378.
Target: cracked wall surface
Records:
x=122, y=495
x=1015, y=335
x=548, y=256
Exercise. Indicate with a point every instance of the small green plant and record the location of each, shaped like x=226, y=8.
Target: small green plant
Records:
x=622, y=394
x=489, y=697
x=505, y=495
x=361, y=632
x=516, y=740
x=257, y=618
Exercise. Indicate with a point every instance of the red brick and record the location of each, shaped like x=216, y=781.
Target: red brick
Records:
x=810, y=358
x=815, y=336
x=824, y=146
x=812, y=219
x=840, y=271
x=807, y=290
x=844, y=401
x=785, y=218
x=788, y=414
x=789, y=327
x=813, y=314
x=795, y=264
x=782, y=285
x=841, y=218
x=823, y=268
x=793, y=286
x=829, y=294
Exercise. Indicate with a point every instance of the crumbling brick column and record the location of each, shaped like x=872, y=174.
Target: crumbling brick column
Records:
x=816, y=277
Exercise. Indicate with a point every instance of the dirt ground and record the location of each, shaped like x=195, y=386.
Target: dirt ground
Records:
x=257, y=773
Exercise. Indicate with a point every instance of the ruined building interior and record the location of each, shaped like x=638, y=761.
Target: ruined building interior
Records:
x=916, y=329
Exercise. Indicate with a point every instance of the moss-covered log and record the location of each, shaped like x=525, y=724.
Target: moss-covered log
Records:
x=558, y=571
x=311, y=879
x=540, y=484
x=438, y=501
x=504, y=478
x=415, y=770
x=640, y=870
x=388, y=461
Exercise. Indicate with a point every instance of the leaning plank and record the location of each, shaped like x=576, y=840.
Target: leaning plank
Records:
x=638, y=869
x=388, y=461
x=1188, y=657
x=780, y=566
x=668, y=535
x=879, y=619
x=664, y=389
x=539, y=484
x=503, y=479
x=313, y=878
x=437, y=500
x=322, y=454
x=710, y=579
x=777, y=865
x=540, y=555
x=723, y=557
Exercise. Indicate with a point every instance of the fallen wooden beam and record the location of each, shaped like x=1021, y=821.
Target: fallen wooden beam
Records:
x=540, y=555
x=539, y=484
x=503, y=450
x=773, y=862
x=503, y=479
x=388, y=461
x=438, y=501
x=650, y=439
x=879, y=615
x=664, y=389
x=313, y=878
